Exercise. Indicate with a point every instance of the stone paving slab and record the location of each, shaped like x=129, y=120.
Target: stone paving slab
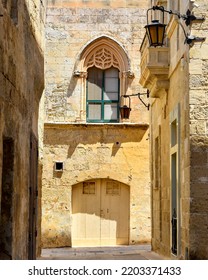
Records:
x=131, y=252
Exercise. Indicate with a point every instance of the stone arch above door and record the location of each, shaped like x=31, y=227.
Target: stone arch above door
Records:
x=98, y=218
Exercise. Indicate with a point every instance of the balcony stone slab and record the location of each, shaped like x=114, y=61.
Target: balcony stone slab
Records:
x=154, y=69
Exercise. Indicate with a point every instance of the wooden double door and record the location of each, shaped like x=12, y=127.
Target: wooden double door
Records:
x=100, y=213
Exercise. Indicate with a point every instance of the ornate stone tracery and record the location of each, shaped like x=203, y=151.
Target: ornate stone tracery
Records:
x=102, y=59
x=103, y=52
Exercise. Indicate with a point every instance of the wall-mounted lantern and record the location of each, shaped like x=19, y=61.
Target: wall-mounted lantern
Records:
x=126, y=108
x=156, y=29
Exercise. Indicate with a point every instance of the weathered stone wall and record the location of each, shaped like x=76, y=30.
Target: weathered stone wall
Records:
x=21, y=86
x=160, y=121
x=96, y=4
x=117, y=152
x=198, y=90
x=69, y=30
x=188, y=92
x=113, y=151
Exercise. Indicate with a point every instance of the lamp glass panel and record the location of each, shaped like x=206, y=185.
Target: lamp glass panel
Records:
x=161, y=31
x=125, y=112
x=153, y=34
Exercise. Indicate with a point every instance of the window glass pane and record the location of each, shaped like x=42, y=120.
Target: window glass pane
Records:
x=110, y=95
x=94, y=92
x=94, y=111
x=173, y=133
x=111, y=73
x=110, y=111
x=95, y=77
x=111, y=84
x=111, y=89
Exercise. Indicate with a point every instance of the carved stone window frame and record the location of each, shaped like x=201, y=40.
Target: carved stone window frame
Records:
x=102, y=53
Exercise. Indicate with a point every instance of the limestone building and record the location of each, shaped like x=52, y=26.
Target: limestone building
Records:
x=176, y=75
x=96, y=185
x=103, y=179
x=21, y=86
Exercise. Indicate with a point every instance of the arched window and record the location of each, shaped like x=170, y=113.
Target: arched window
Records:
x=104, y=68
x=102, y=95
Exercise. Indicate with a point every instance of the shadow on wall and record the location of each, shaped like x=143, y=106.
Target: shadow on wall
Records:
x=73, y=83
x=86, y=135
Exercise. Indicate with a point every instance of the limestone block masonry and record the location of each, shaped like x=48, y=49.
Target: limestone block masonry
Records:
x=21, y=87
x=70, y=28
x=198, y=108
x=118, y=152
x=89, y=152
x=178, y=129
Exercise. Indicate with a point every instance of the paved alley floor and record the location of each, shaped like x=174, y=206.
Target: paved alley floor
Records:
x=131, y=252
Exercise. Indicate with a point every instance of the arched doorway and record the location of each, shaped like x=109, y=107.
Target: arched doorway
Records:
x=100, y=213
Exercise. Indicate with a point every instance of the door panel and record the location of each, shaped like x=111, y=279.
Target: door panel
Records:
x=98, y=219
x=86, y=212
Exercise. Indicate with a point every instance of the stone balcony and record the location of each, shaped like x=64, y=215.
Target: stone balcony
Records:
x=154, y=68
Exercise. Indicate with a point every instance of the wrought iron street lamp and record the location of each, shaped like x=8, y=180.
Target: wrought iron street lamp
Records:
x=156, y=29
x=126, y=108
x=156, y=33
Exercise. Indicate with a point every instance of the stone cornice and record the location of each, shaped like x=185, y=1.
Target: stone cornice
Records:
x=142, y=126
